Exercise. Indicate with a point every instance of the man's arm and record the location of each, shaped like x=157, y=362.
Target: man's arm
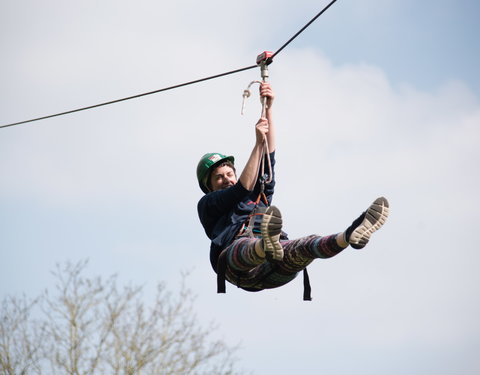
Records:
x=263, y=128
x=249, y=175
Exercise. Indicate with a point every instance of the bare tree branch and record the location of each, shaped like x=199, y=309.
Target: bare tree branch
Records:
x=89, y=326
x=20, y=341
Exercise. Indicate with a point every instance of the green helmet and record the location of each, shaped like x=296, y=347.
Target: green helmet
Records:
x=205, y=165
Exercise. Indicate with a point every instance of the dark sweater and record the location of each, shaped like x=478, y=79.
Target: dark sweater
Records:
x=223, y=212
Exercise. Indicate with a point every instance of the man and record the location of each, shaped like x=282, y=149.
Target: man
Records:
x=248, y=245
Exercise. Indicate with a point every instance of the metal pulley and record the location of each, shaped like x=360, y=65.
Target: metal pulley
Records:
x=263, y=60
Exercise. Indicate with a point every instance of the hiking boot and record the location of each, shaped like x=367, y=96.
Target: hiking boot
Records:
x=271, y=228
x=358, y=234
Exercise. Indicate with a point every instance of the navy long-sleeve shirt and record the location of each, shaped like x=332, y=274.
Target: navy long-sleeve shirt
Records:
x=223, y=212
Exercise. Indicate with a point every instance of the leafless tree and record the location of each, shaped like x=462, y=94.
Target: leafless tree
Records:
x=20, y=337
x=90, y=326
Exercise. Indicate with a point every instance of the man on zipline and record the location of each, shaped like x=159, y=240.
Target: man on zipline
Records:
x=248, y=245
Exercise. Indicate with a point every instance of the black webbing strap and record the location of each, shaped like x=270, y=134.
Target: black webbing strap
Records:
x=221, y=270
x=307, y=290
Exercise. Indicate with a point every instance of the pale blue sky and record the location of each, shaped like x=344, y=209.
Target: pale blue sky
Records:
x=375, y=98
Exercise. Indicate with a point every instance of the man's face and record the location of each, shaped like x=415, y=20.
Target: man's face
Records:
x=222, y=177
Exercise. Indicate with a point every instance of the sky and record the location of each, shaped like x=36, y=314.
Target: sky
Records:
x=373, y=99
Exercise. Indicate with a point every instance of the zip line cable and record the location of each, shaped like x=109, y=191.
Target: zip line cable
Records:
x=303, y=28
x=130, y=97
x=175, y=86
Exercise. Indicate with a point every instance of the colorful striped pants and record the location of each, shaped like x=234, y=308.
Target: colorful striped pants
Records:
x=246, y=269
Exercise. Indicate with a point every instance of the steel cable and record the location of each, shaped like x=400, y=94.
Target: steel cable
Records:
x=175, y=86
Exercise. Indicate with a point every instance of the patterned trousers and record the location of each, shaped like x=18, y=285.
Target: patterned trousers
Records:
x=246, y=269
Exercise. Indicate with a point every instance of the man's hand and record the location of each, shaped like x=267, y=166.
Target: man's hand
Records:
x=261, y=129
x=267, y=92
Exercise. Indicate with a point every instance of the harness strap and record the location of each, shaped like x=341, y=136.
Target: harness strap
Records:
x=247, y=228
x=269, y=176
x=307, y=290
x=221, y=270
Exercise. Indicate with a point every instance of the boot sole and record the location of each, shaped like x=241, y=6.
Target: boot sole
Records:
x=375, y=217
x=271, y=227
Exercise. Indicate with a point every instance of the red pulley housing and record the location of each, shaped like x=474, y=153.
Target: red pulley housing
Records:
x=265, y=57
